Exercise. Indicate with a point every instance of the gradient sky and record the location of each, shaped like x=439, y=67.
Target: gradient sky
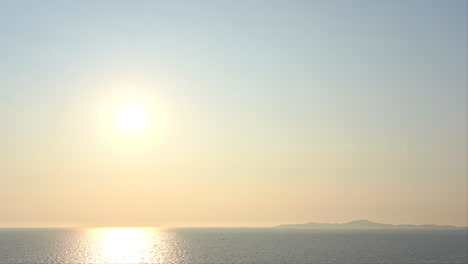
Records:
x=265, y=112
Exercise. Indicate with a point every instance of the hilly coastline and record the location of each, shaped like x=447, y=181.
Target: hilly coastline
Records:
x=365, y=224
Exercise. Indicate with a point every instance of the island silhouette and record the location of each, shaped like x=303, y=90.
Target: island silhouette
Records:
x=365, y=224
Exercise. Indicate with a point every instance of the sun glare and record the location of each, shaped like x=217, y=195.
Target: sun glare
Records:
x=126, y=245
x=131, y=118
x=131, y=121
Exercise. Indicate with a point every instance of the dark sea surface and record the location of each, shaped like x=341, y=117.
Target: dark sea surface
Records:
x=232, y=245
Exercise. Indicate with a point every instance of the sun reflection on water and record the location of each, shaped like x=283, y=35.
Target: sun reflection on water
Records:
x=127, y=245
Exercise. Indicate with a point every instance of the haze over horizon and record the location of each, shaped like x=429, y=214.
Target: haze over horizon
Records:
x=233, y=113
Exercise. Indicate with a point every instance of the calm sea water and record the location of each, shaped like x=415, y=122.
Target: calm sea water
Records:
x=231, y=245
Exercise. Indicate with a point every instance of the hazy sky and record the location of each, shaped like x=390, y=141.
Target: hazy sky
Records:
x=262, y=112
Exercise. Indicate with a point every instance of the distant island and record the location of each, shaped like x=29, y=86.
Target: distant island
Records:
x=365, y=224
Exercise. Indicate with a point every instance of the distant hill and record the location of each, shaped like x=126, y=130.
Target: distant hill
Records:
x=365, y=224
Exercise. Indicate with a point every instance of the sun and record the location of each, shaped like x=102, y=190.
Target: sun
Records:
x=131, y=121
x=131, y=118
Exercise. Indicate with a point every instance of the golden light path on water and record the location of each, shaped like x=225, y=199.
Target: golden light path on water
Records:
x=128, y=245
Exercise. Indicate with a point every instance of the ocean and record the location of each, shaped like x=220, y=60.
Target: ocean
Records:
x=231, y=245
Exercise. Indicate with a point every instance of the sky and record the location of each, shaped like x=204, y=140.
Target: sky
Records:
x=258, y=112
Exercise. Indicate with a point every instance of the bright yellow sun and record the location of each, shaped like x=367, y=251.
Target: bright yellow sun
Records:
x=131, y=118
x=131, y=121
